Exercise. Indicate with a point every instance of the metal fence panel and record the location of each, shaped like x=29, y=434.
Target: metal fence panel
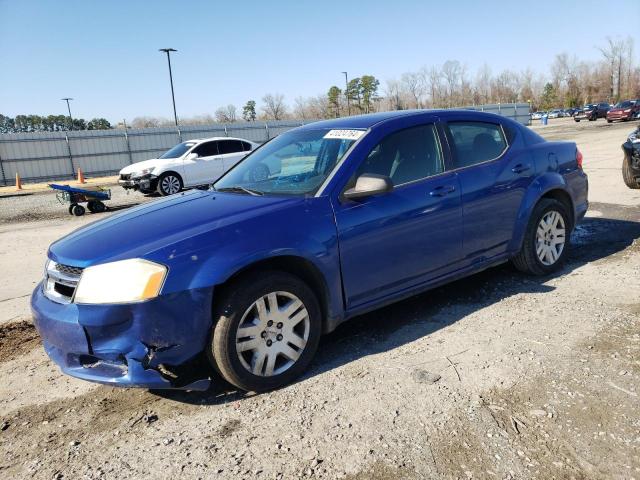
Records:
x=41, y=156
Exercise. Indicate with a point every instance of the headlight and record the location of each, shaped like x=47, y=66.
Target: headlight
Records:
x=142, y=173
x=124, y=281
x=627, y=110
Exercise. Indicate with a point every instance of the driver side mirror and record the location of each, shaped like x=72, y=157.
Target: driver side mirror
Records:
x=192, y=156
x=369, y=184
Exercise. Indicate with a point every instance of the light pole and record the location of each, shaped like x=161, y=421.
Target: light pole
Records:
x=66, y=99
x=173, y=98
x=346, y=92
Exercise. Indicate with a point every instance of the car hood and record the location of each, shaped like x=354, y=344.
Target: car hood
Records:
x=142, y=230
x=154, y=162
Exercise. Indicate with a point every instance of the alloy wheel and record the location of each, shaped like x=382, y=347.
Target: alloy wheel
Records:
x=550, y=237
x=170, y=184
x=272, y=334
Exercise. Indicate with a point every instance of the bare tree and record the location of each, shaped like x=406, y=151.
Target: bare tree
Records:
x=413, y=84
x=393, y=95
x=274, y=107
x=226, y=114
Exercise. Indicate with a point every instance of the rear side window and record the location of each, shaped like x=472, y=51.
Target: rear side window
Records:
x=207, y=149
x=246, y=146
x=230, y=146
x=406, y=156
x=476, y=142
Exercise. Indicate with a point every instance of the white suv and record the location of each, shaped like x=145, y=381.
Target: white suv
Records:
x=188, y=164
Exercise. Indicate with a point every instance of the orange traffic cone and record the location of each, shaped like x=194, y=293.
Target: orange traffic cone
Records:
x=18, y=182
x=80, y=176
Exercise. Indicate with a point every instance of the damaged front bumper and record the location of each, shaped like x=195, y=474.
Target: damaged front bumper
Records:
x=157, y=344
x=144, y=183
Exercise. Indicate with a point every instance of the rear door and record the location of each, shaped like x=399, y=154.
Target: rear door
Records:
x=231, y=152
x=206, y=167
x=495, y=170
x=397, y=240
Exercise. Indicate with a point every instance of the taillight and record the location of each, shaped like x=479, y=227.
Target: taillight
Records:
x=579, y=158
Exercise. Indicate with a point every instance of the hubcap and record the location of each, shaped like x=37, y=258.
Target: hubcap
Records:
x=550, y=238
x=272, y=334
x=170, y=185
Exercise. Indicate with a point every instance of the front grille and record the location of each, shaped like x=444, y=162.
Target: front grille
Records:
x=125, y=176
x=60, y=281
x=69, y=270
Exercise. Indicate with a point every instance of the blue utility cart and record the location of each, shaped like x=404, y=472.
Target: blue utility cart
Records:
x=93, y=196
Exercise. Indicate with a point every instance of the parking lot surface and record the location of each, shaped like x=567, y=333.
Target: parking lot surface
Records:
x=499, y=375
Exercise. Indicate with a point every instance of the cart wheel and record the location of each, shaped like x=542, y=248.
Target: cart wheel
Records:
x=71, y=208
x=99, y=207
x=78, y=210
x=91, y=206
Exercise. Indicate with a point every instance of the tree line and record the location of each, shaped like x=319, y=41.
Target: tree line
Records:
x=570, y=82
x=50, y=123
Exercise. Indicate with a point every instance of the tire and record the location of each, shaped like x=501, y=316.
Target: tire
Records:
x=528, y=259
x=627, y=174
x=254, y=369
x=169, y=183
x=71, y=208
x=78, y=210
x=609, y=121
x=99, y=207
x=577, y=120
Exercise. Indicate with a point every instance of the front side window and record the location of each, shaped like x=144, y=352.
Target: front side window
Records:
x=406, y=156
x=476, y=142
x=207, y=149
x=294, y=163
x=178, y=150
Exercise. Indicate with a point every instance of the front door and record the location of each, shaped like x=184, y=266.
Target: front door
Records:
x=394, y=241
x=206, y=167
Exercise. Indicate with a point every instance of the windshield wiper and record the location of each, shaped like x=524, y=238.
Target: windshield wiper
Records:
x=238, y=188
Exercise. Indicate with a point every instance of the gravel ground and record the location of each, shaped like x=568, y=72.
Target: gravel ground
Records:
x=499, y=375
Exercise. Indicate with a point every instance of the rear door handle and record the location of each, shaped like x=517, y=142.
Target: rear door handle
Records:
x=520, y=168
x=442, y=190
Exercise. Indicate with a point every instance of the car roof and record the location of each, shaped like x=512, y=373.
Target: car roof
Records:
x=208, y=139
x=371, y=119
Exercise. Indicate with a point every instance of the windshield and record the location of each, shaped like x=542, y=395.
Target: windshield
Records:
x=626, y=104
x=294, y=163
x=589, y=106
x=178, y=150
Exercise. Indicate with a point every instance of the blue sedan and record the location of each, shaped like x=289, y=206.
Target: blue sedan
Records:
x=355, y=213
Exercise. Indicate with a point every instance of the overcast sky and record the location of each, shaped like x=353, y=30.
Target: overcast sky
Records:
x=105, y=55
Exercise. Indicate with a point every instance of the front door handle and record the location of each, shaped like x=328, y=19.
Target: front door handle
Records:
x=442, y=190
x=520, y=168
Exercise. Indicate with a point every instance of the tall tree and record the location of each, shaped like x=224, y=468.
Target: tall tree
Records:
x=369, y=89
x=354, y=93
x=249, y=111
x=549, y=97
x=334, y=96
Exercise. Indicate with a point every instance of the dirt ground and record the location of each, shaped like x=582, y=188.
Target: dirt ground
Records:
x=497, y=376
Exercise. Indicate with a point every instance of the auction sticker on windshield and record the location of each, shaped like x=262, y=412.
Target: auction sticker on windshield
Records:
x=345, y=134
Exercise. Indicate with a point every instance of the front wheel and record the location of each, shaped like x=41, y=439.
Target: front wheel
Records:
x=546, y=240
x=267, y=331
x=627, y=174
x=169, y=183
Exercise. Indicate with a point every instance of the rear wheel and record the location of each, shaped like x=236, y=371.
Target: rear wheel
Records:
x=546, y=239
x=267, y=331
x=627, y=174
